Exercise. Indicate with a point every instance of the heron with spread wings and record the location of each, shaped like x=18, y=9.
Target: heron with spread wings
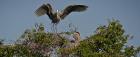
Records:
x=55, y=17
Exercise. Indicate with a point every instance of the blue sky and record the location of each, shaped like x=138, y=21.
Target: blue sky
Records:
x=18, y=15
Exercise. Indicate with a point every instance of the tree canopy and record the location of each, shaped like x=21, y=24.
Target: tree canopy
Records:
x=107, y=41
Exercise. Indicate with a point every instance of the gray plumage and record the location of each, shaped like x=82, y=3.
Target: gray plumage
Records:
x=55, y=17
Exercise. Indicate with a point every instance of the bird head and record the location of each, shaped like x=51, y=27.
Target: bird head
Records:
x=57, y=11
x=78, y=33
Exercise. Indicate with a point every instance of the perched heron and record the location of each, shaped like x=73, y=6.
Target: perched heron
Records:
x=55, y=17
x=76, y=36
x=75, y=42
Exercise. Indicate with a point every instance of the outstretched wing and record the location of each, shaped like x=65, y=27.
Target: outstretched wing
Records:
x=72, y=8
x=44, y=9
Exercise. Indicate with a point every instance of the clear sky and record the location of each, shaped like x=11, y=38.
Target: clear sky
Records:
x=18, y=15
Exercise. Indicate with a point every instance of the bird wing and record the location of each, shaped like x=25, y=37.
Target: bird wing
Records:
x=44, y=9
x=72, y=8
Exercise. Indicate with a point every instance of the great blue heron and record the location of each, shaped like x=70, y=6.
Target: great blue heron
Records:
x=55, y=17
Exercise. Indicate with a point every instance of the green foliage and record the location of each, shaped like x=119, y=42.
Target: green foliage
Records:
x=107, y=41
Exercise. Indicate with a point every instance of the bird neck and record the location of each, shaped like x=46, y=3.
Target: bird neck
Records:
x=58, y=15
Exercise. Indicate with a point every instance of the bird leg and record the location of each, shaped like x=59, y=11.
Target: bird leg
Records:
x=54, y=28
